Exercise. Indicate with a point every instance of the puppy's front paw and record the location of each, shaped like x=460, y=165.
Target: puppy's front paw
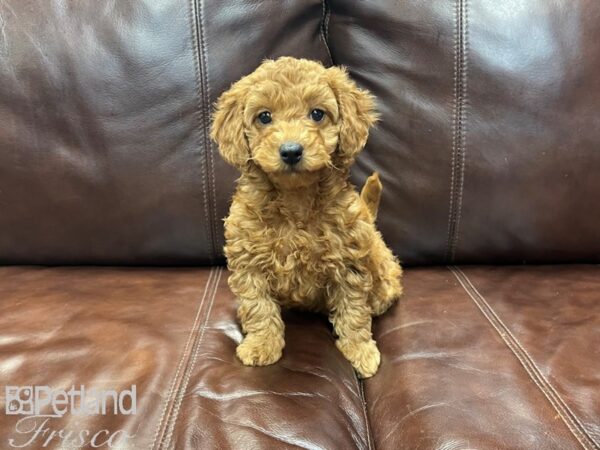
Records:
x=363, y=355
x=260, y=350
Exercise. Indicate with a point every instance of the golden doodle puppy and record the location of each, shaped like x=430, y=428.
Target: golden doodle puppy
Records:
x=298, y=234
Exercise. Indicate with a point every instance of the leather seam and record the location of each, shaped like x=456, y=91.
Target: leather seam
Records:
x=184, y=357
x=190, y=367
x=535, y=374
x=363, y=401
x=325, y=28
x=459, y=115
x=207, y=141
x=200, y=108
x=463, y=125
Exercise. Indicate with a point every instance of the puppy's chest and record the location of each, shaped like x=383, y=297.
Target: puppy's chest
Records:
x=298, y=263
x=296, y=245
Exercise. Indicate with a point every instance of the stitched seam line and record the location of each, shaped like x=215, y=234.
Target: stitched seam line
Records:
x=208, y=145
x=453, y=142
x=569, y=418
x=363, y=400
x=544, y=384
x=325, y=28
x=463, y=123
x=176, y=380
x=199, y=113
x=457, y=165
x=190, y=367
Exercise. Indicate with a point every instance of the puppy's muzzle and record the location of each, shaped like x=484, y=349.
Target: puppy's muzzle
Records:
x=291, y=153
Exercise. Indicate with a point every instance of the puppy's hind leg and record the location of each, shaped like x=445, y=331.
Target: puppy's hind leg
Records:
x=387, y=274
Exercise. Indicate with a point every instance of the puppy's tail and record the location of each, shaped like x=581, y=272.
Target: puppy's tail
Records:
x=371, y=194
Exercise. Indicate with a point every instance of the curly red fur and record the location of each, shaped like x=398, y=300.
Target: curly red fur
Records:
x=303, y=237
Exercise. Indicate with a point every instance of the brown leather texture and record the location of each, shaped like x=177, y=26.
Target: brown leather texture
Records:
x=472, y=357
x=488, y=147
x=172, y=333
x=490, y=358
x=104, y=111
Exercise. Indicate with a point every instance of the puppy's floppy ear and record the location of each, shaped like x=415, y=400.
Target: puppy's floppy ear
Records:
x=357, y=114
x=227, y=128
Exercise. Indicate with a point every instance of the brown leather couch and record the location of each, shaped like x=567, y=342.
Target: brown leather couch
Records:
x=111, y=234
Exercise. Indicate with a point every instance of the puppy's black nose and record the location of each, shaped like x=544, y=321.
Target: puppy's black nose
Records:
x=291, y=152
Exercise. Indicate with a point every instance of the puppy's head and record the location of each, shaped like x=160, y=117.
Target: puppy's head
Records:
x=294, y=119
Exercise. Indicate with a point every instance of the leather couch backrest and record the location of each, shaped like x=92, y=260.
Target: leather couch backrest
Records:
x=104, y=111
x=489, y=144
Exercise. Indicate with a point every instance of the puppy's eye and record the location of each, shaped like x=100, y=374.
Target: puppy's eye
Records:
x=265, y=117
x=317, y=114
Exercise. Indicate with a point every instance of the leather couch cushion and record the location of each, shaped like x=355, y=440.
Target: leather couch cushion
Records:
x=172, y=333
x=480, y=357
x=476, y=357
x=104, y=110
x=488, y=143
